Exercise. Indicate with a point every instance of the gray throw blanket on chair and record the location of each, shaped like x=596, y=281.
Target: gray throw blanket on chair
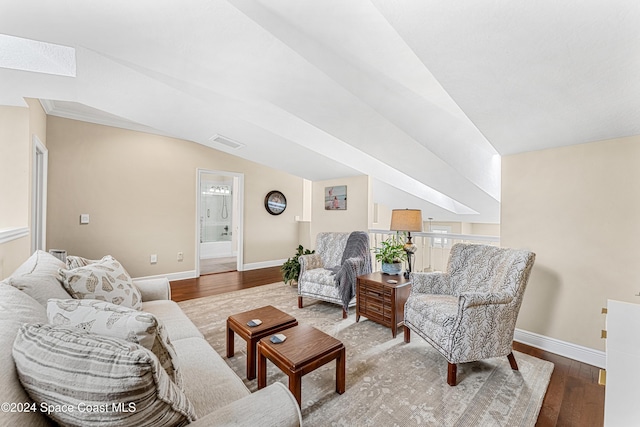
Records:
x=356, y=260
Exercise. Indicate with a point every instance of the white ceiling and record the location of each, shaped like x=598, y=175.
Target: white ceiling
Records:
x=424, y=96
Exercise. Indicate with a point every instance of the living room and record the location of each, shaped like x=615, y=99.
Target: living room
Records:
x=572, y=204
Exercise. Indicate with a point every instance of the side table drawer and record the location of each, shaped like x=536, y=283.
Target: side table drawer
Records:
x=376, y=311
x=375, y=292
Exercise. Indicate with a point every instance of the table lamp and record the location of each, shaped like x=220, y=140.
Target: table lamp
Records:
x=407, y=220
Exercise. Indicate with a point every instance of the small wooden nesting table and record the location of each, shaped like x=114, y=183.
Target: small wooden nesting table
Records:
x=305, y=349
x=273, y=321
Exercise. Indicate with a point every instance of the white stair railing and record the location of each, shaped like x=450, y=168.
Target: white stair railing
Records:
x=433, y=248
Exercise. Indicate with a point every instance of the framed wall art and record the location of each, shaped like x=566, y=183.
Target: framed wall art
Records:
x=335, y=198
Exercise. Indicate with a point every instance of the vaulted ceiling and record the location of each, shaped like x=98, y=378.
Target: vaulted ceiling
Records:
x=424, y=96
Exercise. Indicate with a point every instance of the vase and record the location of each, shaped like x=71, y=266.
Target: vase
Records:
x=393, y=269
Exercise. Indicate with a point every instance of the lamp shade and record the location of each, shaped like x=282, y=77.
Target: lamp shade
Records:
x=406, y=220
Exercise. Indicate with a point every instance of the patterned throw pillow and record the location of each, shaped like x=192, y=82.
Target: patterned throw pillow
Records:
x=105, y=280
x=123, y=381
x=115, y=321
x=74, y=261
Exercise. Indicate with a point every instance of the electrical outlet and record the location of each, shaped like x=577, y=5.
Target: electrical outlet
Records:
x=153, y=259
x=180, y=256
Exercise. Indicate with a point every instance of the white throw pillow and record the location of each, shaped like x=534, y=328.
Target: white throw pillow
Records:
x=38, y=277
x=123, y=381
x=105, y=280
x=116, y=321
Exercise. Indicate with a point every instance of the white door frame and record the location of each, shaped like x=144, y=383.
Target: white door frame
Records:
x=240, y=213
x=39, y=170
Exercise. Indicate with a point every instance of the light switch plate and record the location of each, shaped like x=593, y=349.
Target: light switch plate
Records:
x=84, y=219
x=153, y=259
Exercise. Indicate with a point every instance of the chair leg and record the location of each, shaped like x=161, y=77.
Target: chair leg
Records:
x=407, y=334
x=451, y=374
x=512, y=361
x=299, y=302
x=344, y=313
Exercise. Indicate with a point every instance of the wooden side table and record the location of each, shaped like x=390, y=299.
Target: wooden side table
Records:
x=381, y=301
x=273, y=321
x=305, y=350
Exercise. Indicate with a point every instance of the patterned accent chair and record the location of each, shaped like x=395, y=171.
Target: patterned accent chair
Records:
x=317, y=277
x=469, y=313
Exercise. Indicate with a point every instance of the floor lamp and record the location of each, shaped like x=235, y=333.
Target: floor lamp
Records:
x=407, y=220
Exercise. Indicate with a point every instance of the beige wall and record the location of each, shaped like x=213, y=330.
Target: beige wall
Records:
x=15, y=152
x=37, y=120
x=17, y=127
x=357, y=216
x=577, y=208
x=140, y=192
x=484, y=229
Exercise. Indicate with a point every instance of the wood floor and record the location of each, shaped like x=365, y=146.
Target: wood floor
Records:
x=218, y=265
x=214, y=284
x=574, y=397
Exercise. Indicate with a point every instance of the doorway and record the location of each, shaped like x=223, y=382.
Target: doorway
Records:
x=39, y=196
x=219, y=224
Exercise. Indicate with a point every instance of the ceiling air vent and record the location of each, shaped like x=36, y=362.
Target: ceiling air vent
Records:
x=226, y=142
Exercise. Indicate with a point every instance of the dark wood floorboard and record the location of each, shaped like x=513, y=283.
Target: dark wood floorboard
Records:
x=219, y=283
x=574, y=397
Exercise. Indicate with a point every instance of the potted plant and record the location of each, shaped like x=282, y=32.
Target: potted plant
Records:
x=391, y=253
x=291, y=268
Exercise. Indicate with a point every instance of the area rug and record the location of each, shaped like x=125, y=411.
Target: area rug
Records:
x=388, y=382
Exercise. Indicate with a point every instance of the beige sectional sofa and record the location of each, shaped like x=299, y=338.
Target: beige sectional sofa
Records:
x=217, y=394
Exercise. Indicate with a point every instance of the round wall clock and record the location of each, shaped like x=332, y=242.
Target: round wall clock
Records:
x=275, y=203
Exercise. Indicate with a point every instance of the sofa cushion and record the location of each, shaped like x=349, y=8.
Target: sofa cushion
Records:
x=105, y=280
x=38, y=277
x=177, y=323
x=115, y=321
x=16, y=308
x=209, y=382
x=65, y=366
x=277, y=408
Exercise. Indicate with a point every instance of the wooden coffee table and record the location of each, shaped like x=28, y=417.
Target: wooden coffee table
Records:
x=305, y=349
x=273, y=321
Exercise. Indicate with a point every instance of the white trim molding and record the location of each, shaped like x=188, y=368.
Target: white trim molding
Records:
x=14, y=233
x=264, y=264
x=572, y=351
x=238, y=199
x=39, y=179
x=181, y=275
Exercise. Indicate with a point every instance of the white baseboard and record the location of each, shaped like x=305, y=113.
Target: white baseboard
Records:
x=181, y=275
x=263, y=264
x=572, y=351
x=192, y=273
